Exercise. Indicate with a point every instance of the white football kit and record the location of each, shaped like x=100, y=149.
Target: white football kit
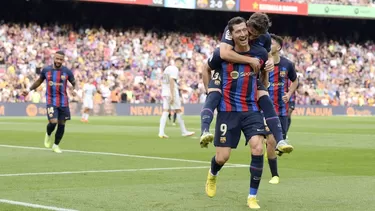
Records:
x=171, y=72
x=89, y=91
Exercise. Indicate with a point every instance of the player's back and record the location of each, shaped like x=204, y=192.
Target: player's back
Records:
x=170, y=72
x=57, y=81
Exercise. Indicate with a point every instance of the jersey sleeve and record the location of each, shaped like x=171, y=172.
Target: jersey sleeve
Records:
x=43, y=74
x=227, y=37
x=71, y=78
x=267, y=42
x=214, y=62
x=292, y=75
x=173, y=73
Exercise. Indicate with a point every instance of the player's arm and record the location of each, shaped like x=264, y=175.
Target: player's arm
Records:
x=206, y=76
x=270, y=64
x=173, y=76
x=228, y=54
x=292, y=75
x=37, y=83
x=71, y=79
x=264, y=76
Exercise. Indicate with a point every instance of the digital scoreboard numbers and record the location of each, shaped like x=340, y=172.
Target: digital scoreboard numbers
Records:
x=223, y=5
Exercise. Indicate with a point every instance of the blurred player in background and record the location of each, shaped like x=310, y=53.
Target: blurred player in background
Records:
x=280, y=93
x=58, y=112
x=171, y=98
x=89, y=90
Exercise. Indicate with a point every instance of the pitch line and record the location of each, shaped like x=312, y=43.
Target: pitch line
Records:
x=120, y=155
x=24, y=204
x=109, y=171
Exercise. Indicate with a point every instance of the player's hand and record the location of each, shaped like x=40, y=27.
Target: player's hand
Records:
x=286, y=98
x=254, y=63
x=270, y=65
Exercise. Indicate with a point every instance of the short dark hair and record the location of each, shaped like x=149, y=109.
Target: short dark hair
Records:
x=235, y=21
x=60, y=53
x=179, y=59
x=278, y=39
x=260, y=22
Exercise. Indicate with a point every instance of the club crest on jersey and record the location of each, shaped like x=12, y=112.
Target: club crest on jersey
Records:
x=217, y=82
x=223, y=140
x=63, y=77
x=228, y=36
x=282, y=73
x=234, y=74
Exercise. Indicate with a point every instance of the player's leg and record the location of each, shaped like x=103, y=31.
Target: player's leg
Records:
x=207, y=113
x=174, y=118
x=273, y=121
x=227, y=136
x=164, y=116
x=52, y=115
x=290, y=111
x=253, y=127
x=272, y=159
x=64, y=115
x=90, y=106
x=177, y=110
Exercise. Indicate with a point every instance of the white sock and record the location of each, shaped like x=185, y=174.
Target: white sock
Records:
x=87, y=116
x=252, y=196
x=54, y=145
x=181, y=122
x=163, y=121
x=83, y=115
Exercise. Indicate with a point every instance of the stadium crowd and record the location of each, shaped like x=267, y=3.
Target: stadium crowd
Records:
x=336, y=66
x=127, y=65
x=338, y=2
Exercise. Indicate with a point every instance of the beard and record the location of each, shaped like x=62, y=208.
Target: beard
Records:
x=57, y=65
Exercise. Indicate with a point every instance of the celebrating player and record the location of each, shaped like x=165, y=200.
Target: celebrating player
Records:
x=58, y=112
x=238, y=110
x=258, y=25
x=280, y=93
x=171, y=98
x=89, y=91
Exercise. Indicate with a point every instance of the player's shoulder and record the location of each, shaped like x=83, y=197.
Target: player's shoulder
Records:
x=286, y=60
x=47, y=68
x=65, y=69
x=227, y=34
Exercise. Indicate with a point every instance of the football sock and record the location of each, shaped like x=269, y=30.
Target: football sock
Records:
x=59, y=133
x=215, y=167
x=273, y=166
x=256, y=170
x=163, y=121
x=272, y=120
x=207, y=113
x=50, y=128
x=174, y=117
x=181, y=122
x=289, y=122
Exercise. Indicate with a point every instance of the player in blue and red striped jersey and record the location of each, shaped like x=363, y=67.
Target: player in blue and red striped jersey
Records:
x=57, y=77
x=238, y=109
x=280, y=93
x=258, y=25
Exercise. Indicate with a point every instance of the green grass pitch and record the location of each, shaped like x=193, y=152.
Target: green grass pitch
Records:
x=332, y=167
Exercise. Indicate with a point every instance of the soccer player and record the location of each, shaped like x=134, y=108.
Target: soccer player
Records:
x=171, y=98
x=280, y=93
x=89, y=91
x=258, y=25
x=58, y=112
x=238, y=110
